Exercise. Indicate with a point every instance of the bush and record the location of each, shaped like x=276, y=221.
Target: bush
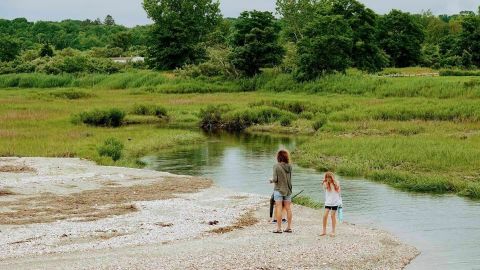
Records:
x=307, y=115
x=285, y=121
x=242, y=119
x=217, y=64
x=155, y=110
x=111, y=148
x=319, y=122
x=66, y=61
x=211, y=117
x=106, y=118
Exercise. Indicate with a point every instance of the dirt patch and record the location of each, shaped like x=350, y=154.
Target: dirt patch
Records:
x=95, y=204
x=246, y=220
x=6, y=192
x=16, y=169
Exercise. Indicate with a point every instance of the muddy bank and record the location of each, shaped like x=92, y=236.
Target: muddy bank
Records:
x=71, y=213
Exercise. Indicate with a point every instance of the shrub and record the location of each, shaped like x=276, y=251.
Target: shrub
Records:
x=319, y=122
x=111, y=148
x=211, y=117
x=242, y=119
x=285, y=121
x=106, y=118
x=307, y=115
x=71, y=94
x=155, y=110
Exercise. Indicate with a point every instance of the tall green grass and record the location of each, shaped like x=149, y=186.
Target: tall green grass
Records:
x=352, y=83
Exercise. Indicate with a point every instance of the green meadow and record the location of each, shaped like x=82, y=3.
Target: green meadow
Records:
x=419, y=134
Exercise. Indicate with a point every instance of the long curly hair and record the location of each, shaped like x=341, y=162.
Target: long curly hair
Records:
x=329, y=182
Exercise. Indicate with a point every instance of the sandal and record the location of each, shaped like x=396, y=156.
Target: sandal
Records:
x=288, y=231
x=277, y=231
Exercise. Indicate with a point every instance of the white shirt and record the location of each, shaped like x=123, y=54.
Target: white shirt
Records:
x=332, y=198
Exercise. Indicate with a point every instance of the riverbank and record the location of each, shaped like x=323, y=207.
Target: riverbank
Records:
x=163, y=220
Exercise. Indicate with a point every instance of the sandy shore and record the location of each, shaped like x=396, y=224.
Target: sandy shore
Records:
x=73, y=214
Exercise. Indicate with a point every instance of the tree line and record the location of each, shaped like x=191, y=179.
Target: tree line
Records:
x=308, y=38
x=311, y=38
x=19, y=35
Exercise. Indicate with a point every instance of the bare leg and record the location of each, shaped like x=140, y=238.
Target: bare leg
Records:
x=278, y=214
x=334, y=222
x=325, y=218
x=288, y=209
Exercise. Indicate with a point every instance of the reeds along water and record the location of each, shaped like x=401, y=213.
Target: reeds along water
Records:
x=352, y=83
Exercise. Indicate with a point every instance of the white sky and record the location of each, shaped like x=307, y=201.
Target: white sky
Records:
x=130, y=12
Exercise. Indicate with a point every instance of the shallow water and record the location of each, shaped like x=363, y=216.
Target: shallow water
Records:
x=446, y=229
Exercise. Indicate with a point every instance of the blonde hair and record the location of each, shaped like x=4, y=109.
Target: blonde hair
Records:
x=329, y=180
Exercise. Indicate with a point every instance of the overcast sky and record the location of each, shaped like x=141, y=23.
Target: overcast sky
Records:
x=130, y=12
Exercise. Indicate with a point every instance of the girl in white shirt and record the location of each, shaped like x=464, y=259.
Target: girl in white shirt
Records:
x=332, y=201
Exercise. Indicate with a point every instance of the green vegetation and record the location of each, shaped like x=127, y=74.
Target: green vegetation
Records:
x=111, y=148
x=418, y=134
x=307, y=201
x=255, y=42
x=401, y=37
x=103, y=118
x=326, y=69
x=325, y=48
x=80, y=35
x=155, y=110
x=180, y=31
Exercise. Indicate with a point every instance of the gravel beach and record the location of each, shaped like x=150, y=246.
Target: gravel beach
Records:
x=121, y=218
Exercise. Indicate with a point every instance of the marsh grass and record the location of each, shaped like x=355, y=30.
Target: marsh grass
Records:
x=307, y=202
x=417, y=134
x=352, y=83
x=71, y=94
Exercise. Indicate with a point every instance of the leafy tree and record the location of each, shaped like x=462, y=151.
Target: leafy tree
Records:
x=46, y=50
x=435, y=27
x=401, y=37
x=180, y=30
x=325, y=48
x=366, y=54
x=9, y=48
x=430, y=55
x=221, y=33
x=109, y=20
x=296, y=14
x=255, y=42
x=470, y=38
x=122, y=40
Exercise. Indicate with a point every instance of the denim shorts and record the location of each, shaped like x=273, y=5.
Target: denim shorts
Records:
x=278, y=197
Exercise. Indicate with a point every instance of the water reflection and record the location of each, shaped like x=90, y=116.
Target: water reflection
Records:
x=445, y=228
